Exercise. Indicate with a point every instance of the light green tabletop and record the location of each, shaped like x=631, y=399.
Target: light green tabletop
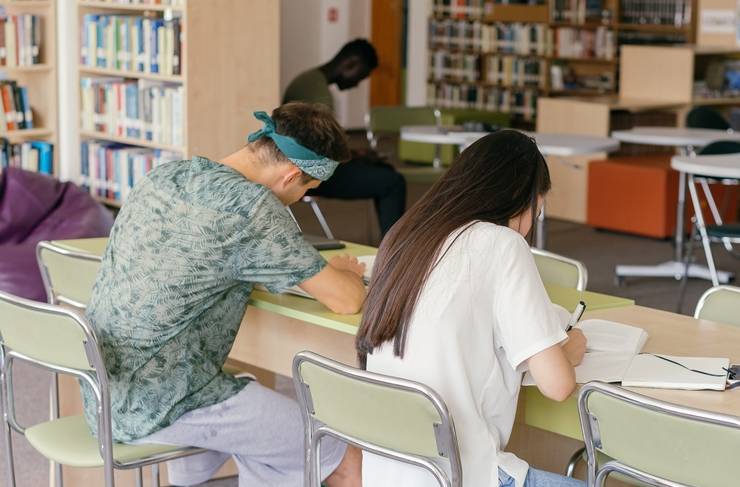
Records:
x=313, y=312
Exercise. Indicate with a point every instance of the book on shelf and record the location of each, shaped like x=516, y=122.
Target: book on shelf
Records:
x=135, y=109
x=596, y=43
x=477, y=36
x=521, y=102
x=516, y=71
x=110, y=170
x=35, y=155
x=167, y=3
x=656, y=12
x=579, y=11
x=20, y=40
x=15, y=109
x=459, y=8
x=132, y=43
x=454, y=65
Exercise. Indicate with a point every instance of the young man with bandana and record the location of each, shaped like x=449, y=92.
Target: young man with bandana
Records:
x=189, y=245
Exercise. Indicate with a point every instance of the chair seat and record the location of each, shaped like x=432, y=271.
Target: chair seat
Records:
x=731, y=230
x=68, y=441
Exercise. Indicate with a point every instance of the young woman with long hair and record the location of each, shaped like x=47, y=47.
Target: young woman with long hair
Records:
x=456, y=303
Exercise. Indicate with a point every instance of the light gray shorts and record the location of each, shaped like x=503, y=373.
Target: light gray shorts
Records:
x=261, y=429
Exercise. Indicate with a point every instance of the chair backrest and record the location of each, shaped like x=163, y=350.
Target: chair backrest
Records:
x=649, y=439
x=556, y=269
x=390, y=119
x=720, y=147
x=720, y=304
x=55, y=337
x=706, y=118
x=393, y=417
x=68, y=275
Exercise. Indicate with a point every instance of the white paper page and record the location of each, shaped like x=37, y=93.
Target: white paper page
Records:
x=368, y=260
x=650, y=371
x=610, y=336
x=603, y=366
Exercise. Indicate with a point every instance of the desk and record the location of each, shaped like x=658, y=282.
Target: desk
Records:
x=687, y=139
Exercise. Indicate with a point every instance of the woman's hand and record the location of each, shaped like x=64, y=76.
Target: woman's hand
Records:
x=575, y=347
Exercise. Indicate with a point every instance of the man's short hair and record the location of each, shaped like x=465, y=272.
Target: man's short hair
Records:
x=362, y=49
x=313, y=126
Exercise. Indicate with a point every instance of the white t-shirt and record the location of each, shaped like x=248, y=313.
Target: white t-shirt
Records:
x=483, y=312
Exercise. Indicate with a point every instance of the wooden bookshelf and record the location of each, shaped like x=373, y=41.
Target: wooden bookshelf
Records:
x=39, y=79
x=222, y=84
x=600, y=70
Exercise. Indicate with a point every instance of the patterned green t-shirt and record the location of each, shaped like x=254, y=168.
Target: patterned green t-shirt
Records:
x=186, y=250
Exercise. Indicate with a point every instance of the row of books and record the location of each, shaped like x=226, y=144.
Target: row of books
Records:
x=131, y=43
x=564, y=78
x=457, y=66
x=459, y=8
x=110, y=170
x=580, y=11
x=585, y=43
x=516, y=71
x=520, y=103
x=140, y=109
x=15, y=108
x=35, y=155
x=517, y=37
x=663, y=12
x=170, y=3
x=20, y=40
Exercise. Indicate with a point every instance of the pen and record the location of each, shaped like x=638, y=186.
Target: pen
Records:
x=577, y=313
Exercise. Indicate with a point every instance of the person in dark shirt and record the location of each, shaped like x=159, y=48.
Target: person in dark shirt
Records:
x=366, y=175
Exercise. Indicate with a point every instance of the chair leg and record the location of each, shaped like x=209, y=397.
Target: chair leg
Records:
x=703, y=231
x=322, y=220
x=7, y=435
x=688, y=257
x=140, y=477
x=573, y=461
x=54, y=414
x=155, y=475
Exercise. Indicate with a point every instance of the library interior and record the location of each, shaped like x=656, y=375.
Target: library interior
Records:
x=415, y=243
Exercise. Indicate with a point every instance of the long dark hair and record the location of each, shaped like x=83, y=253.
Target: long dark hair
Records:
x=494, y=180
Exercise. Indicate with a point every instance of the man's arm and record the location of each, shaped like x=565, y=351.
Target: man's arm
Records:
x=339, y=285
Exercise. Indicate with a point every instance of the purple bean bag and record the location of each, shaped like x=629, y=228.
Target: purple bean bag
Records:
x=35, y=207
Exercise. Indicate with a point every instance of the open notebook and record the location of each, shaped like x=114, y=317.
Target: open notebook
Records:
x=368, y=260
x=669, y=372
x=610, y=348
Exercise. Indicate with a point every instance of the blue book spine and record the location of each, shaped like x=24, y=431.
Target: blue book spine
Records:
x=140, y=35
x=156, y=25
x=46, y=156
x=28, y=113
x=116, y=175
x=99, y=50
x=84, y=167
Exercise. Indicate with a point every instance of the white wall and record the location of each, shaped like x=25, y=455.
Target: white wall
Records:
x=416, y=52
x=309, y=39
x=68, y=139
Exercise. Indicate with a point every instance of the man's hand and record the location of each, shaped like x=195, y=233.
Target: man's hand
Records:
x=346, y=262
x=575, y=347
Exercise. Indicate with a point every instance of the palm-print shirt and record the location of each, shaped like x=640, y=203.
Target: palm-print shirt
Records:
x=186, y=250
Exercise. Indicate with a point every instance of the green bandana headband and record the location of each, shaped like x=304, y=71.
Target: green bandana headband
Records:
x=313, y=164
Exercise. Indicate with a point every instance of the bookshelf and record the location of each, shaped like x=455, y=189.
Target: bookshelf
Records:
x=198, y=100
x=38, y=78
x=562, y=47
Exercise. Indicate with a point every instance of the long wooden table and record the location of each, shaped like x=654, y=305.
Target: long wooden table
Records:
x=276, y=327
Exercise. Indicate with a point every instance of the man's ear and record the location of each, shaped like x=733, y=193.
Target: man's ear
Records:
x=292, y=175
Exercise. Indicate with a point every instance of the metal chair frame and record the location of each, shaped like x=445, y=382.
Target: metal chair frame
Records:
x=597, y=475
x=708, y=293
x=97, y=379
x=58, y=298
x=582, y=270
x=315, y=430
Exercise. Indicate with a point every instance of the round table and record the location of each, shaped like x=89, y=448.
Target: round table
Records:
x=549, y=144
x=686, y=139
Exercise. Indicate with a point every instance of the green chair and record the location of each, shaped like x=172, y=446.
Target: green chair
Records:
x=656, y=442
x=60, y=340
x=720, y=304
x=68, y=275
x=556, y=269
x=395, y=418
